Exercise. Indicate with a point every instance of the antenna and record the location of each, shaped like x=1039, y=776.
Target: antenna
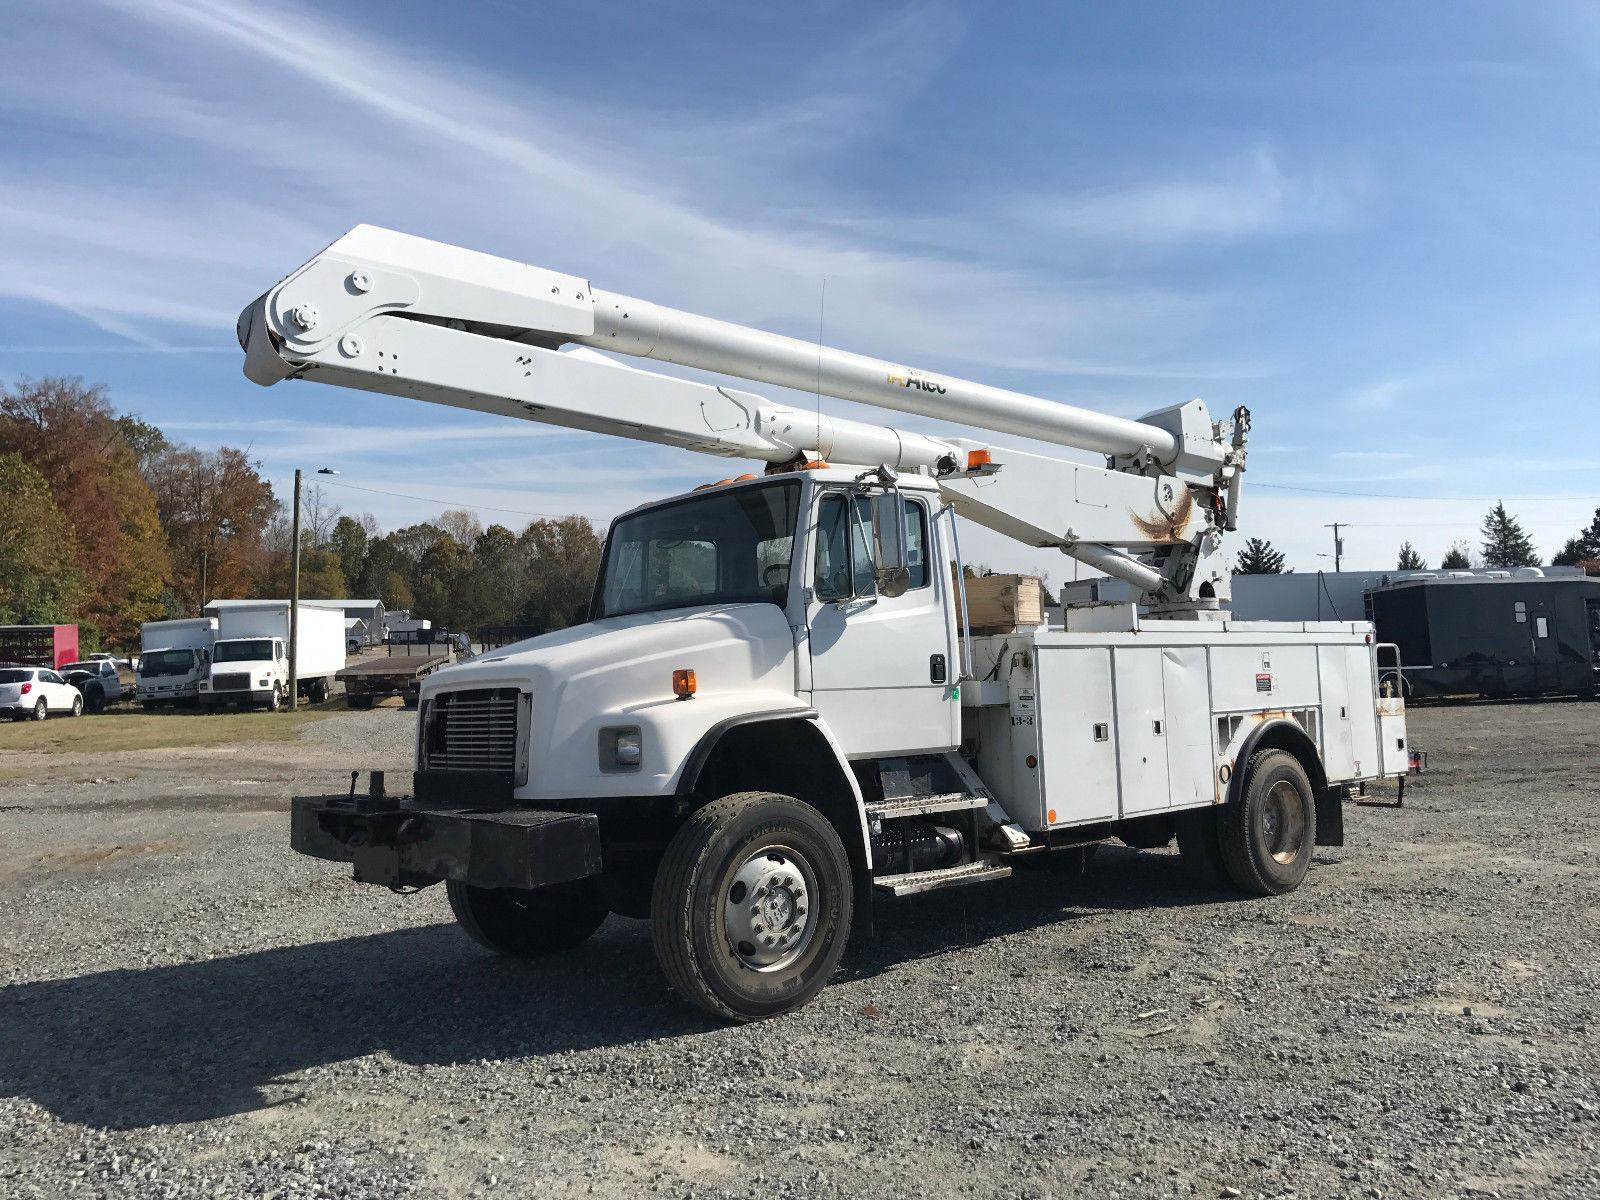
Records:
x=822, y=311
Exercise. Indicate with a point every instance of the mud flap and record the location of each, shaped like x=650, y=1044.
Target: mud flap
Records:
x=1330, y=816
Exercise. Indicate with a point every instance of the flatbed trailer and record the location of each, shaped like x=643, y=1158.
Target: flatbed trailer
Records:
x=374, y=679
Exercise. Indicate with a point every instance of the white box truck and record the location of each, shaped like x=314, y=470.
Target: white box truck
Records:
x=250, y=660
x=173, y=657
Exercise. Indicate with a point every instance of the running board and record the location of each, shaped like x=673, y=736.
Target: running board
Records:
x=916, y=806
x=914, y=882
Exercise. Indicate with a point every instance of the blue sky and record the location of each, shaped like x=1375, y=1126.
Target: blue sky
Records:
x=1374, y=224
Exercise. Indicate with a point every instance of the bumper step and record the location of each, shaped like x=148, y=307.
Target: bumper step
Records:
x=914, y=882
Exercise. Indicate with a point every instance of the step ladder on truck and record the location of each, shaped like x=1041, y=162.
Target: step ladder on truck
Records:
x=775, y=709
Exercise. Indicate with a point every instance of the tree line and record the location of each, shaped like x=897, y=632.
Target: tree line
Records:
x=1505, y=544
x=107, y=522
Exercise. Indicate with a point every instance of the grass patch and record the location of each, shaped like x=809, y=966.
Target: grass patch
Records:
x=121, y=728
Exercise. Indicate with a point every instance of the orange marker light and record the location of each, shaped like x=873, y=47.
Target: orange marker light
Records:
x=978, y=458
x=683, y=684
x=1051, y=816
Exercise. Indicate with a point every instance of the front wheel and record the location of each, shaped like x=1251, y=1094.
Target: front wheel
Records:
x=41, y=710
x=275, y=701
x=1267, y=838
x=752, y=904
x=77, y=706
x=528, y=923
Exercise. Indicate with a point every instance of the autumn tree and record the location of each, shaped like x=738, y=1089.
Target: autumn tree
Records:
x=348, y=540
x=40, y=583
x=1258, y=558
x=215, y=507
x=67, y=431
x=1505, y=542
x=563, y=558
x=1410, y=560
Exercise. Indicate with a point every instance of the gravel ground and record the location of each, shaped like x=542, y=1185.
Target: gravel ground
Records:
x=189, y=1009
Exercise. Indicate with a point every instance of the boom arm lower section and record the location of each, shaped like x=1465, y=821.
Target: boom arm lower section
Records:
x=384, y=312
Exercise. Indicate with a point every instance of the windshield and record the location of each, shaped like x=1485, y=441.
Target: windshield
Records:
x=15, y=676
x=255, y=650
x=166, y=662
x=727, y=547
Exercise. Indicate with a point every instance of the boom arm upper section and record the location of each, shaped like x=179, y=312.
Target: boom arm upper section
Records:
x=387, y=312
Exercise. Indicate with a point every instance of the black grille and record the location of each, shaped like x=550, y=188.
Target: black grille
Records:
x=474, y=730
x=231, y=683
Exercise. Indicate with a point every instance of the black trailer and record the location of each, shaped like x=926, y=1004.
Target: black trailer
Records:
x=1492, y=637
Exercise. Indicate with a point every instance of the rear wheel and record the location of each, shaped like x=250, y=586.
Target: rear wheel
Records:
x=357, y=701
x=527, y=923
x=752, y=904
x=1267, y=838
x=317, y=693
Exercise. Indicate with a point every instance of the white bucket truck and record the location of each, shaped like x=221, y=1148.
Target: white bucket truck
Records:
x=173, y=658
x=250, y=659
x=774, y=711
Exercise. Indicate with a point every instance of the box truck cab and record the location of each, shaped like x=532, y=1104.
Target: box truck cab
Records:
x=173, y=658
x=250, y=659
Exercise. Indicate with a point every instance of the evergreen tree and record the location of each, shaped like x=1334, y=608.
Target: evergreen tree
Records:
x=1258, y=558
x=1583, y=548
x=1457, y=558
x=1410, y=560
x=1505, y=542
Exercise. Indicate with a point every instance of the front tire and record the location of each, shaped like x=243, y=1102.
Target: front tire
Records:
x=752, y=905
x=77, y=706
x=1267, y=838
x=275, y=701
x=41, y=710
x=528, y=923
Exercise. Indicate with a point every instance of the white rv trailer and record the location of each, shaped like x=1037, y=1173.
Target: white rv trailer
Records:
x=775, y=711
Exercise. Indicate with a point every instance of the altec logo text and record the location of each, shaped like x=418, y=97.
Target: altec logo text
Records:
x=912, y=380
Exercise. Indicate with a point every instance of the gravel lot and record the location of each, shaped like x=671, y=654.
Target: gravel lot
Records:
x=188, y=1009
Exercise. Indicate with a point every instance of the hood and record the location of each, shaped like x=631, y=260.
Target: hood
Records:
x=618, y=671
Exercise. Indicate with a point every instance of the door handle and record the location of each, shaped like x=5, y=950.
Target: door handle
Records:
x=936, y=668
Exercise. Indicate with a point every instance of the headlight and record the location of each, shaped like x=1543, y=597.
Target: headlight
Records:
x=621, y=748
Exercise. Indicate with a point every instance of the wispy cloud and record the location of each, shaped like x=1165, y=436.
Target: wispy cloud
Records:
x=1250, y=199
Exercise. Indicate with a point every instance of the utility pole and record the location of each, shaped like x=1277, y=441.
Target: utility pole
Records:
x=294, y=598
x=1338, y=544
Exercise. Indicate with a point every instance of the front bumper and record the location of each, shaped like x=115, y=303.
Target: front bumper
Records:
x=236, y=696
x=403, y=841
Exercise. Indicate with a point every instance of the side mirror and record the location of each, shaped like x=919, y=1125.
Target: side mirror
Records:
x=891, y=570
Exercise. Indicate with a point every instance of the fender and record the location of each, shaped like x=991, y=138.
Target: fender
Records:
x=694, y=764
x=1286, y=735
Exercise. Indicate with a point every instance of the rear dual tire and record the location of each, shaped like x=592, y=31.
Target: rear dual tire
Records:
x=1262, y=844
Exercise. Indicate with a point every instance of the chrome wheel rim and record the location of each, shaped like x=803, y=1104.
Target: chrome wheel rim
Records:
x=1283, y=822
x=769, y=908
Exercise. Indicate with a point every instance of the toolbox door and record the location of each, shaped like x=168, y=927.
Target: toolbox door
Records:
x=1187, y=692
x=1077, y=735
x=1338, y=742
x=1141, y=730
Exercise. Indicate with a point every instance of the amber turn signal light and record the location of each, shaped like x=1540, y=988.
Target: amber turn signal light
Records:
x=683, y=684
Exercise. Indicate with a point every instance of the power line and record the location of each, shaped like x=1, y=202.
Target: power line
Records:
x=1289, y=487
x=463, y=503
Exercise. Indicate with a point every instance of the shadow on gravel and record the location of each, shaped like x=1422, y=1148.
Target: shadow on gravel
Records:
x=195, y=1041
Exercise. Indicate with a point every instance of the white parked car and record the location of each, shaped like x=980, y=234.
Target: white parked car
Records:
x=37, y=692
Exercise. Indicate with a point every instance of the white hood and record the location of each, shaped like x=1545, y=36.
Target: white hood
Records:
x=618, y=672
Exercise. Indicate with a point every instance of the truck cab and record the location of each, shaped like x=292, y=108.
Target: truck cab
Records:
x=246, y=670
x=762, y=599
x=172, y=675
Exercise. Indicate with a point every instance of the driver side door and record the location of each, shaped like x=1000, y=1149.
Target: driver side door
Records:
x=882, y=672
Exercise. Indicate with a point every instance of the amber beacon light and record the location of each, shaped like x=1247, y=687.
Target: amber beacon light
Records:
x=683, y=684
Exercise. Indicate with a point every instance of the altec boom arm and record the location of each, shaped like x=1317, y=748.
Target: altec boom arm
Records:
x=387, y=312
